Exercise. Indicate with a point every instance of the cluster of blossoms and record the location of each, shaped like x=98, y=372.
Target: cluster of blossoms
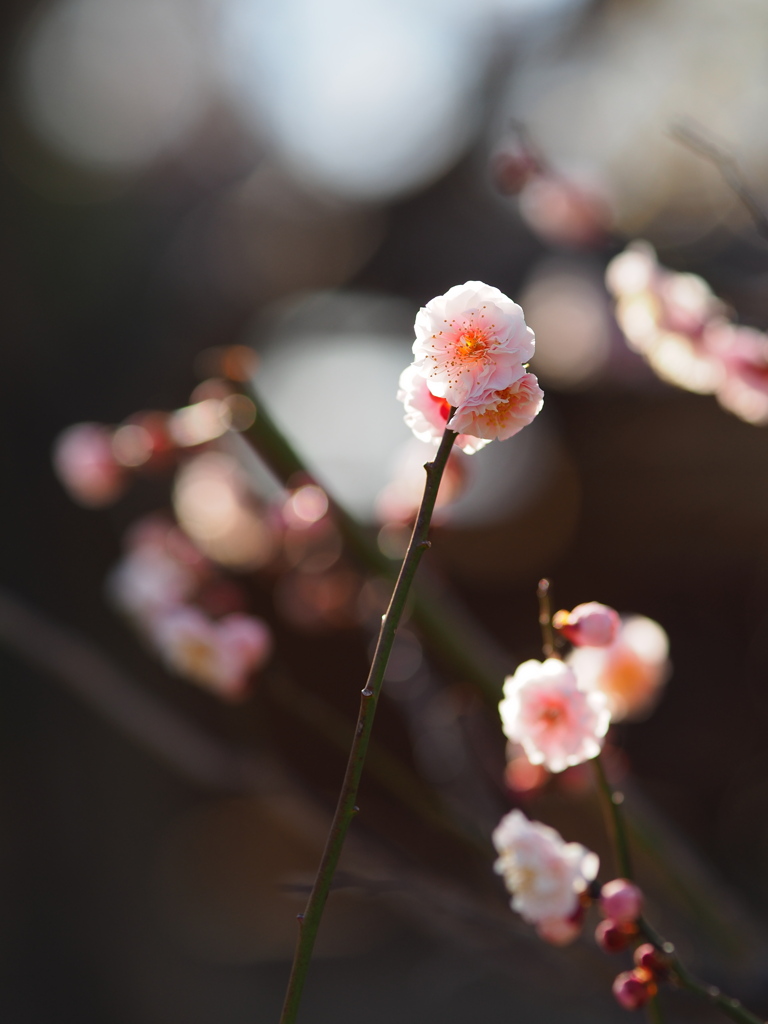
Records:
x=545, y=876
x=155, y=584
x=558, y=713
x=552, y=884
x=470, y=368
x=684, y=332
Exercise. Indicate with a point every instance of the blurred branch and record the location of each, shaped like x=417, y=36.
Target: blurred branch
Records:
x=462, y=648
x=110, y=691
x=692, y=138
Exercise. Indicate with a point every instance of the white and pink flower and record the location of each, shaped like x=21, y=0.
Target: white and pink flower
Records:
x=219, y=656
x=498, y=415
x=471, y=340
x=630, y=672
x=556, y=721
x=426, y=414
x=544, y=874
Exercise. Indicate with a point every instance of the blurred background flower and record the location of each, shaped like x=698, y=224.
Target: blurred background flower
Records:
x=179, y=176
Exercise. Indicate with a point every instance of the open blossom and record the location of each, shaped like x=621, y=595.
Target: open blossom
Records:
x=473, y=339
x=86, y=466
x=426, y=414
x=498, y=415
x=630, y=671
x=217, y=655
x=544, y=874
x=557, y=722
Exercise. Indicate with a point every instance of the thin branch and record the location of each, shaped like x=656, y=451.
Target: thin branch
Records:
x=679, y=974
x=111, y=692
x=692, y=138
x=309, y=921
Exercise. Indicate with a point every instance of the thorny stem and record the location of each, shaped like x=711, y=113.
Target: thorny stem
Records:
x=678, y=974
x=309, y=921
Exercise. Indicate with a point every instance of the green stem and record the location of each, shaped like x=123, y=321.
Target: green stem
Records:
x=653, y=1011
x=678, y=973
x=612, y=802
x=309, y=921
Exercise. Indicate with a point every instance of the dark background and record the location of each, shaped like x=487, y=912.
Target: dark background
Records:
x=131, y=893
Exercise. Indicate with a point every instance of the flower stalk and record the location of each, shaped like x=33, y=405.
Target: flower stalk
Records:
x=309, y=921
x=678, y=974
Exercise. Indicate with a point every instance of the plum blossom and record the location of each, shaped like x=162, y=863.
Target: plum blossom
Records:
x=426, y=414
x=629, y=672
x=544, y=874
x=85, y=464
x=588, y=625
x=219, y=656
x=473, y=339
x=160, y=569
x=743, y=353
x=557, y=722
x=499, y=414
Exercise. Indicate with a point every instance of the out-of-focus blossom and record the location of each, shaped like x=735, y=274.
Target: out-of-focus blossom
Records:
x=560, y=931
x=544, y=874
x=664, y=316
x=557, y=722
x=471, y=340
x=426, y=414
x=86, y=466
x=633, y=989
x=215, y=506
x=513, y=168
x=743, y=353
x=566, y=212
x=621, y=901
x=588, y=625
x=219, y=656
x=160, y=570
x=499, y=415
x=630, y=672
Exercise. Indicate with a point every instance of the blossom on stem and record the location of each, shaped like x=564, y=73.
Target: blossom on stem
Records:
x=471, y=340
x=426, y=414
x=558, y=723
x=588, y=625
x=498, y=415
x=630, y=671
x=544, y=874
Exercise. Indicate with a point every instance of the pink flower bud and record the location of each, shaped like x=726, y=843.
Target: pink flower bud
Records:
x=632, y=989
x=86, y=466
x=588, y=625
x=651, y=959
x=621, y=901
x=613, y=937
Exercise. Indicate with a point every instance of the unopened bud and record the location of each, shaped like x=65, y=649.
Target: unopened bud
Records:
x=632, y=990
x=588, y=625
x=621, y=900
